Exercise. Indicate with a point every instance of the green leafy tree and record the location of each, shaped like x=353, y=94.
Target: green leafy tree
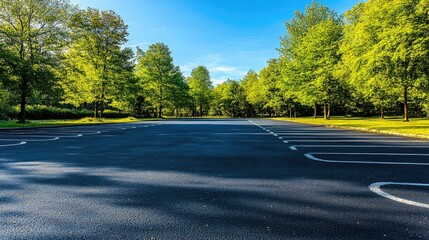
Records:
x=180, y=97
x=310, y=50
x=388, y=44
x=269, y=90
x=156, y=73
x=250, y=85
x=95, y=60
x=125, y=89
x=34, y=34
x=200, y=87
x=230, y=99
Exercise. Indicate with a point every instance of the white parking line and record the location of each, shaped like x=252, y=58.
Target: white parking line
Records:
x=360, y=146
x=13, y=144
x=312, y=157
x=30, y=140
x=321, y=134
x=376, y=188
x=358, y=140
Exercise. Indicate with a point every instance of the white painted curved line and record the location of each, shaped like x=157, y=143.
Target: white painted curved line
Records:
x=312, y=157
x=376, y=188
x=13, y=144
x=31, y=140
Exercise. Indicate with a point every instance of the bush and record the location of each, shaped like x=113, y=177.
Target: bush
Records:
x=41, y=112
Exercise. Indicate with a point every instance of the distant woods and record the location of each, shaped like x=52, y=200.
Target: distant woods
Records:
x=370, y=61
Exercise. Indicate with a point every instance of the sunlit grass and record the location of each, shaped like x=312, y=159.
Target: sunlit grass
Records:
x=417, y=126
x=70, y=122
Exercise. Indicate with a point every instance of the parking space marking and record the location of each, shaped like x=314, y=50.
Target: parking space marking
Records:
x=360, y=146
x=22, y=136
x=312, y=157
x=13, y=144
x=358, y=140
x=376, y=188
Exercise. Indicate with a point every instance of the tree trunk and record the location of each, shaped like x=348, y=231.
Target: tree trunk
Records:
x=325, y=110
x=160, y=111
x=96, y=109
x=382, y=112
x=315, y=111
x=406, y=104
x=294, y=112
x=102, y=107
x=23, y=103
x=328, y=114
x=201, y=110
x=290, y=112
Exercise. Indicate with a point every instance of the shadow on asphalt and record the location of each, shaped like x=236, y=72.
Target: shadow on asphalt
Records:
x=228, y=185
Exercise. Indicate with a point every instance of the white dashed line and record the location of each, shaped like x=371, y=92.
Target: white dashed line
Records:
x=280, y=138
x=293, y=148
x=312, y=157
x=285, y=141
x=376, y=188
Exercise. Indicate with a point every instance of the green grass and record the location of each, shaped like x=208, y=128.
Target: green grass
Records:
x=393, y=125
x=66, y=122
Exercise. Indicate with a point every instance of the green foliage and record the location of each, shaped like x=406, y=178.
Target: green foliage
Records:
x=310, y=55
x=158, y=75
x=95, y=64
x=200, y=87
x=386, y=49
x=33, y=37
x=374, y=58
x=229, y=99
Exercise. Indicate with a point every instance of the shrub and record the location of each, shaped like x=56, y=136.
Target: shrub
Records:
x=41, y=112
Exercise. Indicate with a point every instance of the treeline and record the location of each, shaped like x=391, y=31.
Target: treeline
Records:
x=371, y=60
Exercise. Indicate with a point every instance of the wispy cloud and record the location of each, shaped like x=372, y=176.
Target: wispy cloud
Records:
x=140, y=44
x=234, y=59
x=218, y=72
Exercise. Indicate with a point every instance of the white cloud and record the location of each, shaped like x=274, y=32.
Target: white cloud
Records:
x=140, y=44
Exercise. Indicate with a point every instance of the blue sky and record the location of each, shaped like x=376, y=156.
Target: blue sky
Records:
x=229, y=37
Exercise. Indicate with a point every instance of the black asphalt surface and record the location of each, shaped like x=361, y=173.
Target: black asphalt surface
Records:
x=211, y=179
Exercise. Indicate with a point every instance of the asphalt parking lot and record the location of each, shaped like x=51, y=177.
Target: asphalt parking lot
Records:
x=211, y=179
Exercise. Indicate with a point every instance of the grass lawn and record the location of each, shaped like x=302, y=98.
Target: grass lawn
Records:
x=416, y=126
x=70, y=122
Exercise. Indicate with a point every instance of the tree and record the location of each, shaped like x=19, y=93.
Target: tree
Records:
x=310, y=52
x=250, y=85
x=94, y=57
x=125, y=90
x=34, y=34
x=230, y=99
x=269, y=91
x=389, y=42
x=180, y=97
x=156, y=72
x=200, y=87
